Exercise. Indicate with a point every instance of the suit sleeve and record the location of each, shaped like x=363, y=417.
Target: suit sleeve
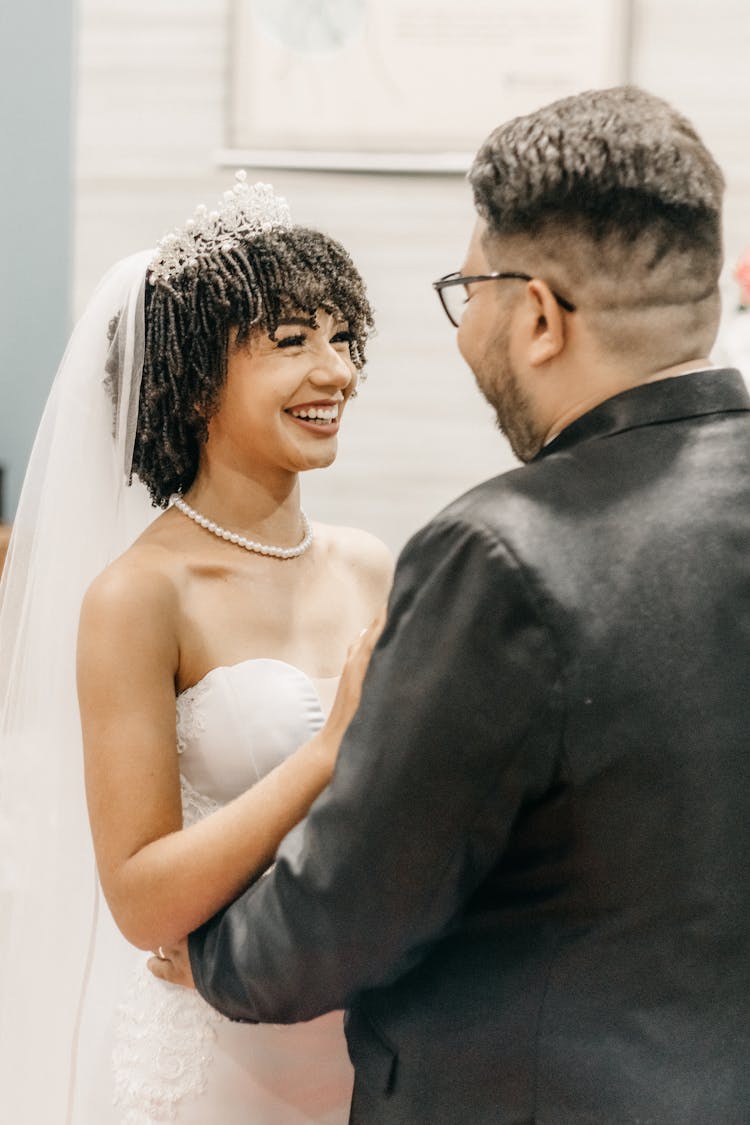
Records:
x=457, y=726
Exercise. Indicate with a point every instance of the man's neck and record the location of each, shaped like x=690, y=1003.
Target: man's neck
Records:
x=689, y=367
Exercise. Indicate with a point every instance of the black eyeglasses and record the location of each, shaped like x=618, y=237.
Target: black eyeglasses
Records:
x=453, y=299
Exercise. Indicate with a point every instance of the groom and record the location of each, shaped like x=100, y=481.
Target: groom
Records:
x=528, y=882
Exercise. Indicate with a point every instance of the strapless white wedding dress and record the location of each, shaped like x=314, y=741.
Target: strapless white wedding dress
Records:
x=166, y=1056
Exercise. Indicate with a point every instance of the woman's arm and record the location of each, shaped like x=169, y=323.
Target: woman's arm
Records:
x=162, y=881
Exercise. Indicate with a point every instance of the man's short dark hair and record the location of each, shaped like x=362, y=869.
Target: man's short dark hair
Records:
x=610, y=164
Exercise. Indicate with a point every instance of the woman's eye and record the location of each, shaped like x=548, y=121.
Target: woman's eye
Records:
x=291, y=341
x=343, y=337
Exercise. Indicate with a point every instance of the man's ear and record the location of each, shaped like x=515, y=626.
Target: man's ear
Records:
x=548, y=329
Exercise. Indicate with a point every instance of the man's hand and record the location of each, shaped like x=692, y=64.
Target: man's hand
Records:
x=350, y=684
x=173, y=965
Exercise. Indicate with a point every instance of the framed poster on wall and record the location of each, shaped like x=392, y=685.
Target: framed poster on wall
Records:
x=408, y=83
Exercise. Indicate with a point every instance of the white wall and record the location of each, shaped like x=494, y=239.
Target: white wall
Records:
x=151, y=87
x=36, y=205
x=695, y=54
x=151, y=116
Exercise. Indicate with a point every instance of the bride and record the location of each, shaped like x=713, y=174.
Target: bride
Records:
x=202, y=379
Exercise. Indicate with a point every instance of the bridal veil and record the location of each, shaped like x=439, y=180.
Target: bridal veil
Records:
x=76, y=514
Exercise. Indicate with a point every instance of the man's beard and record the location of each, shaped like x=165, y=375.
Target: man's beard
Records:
x=512, y=409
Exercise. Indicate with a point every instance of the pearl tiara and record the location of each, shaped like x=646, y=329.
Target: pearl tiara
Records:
x=246, y=209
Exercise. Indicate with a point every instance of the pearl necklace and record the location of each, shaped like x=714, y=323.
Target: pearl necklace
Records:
x=240, y=540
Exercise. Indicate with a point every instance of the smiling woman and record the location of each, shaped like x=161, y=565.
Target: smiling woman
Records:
x=204, y=308
x=227, y=358
x=286, y=385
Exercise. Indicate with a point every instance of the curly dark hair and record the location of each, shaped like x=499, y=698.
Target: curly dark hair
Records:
x=609, y=163
x=191, y=319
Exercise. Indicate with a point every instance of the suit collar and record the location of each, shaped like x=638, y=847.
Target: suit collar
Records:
x=717, y=391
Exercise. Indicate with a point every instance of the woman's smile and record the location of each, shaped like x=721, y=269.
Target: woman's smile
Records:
x=320, y=417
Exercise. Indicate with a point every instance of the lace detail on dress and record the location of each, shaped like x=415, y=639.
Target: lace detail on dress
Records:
x=163, y=1049
x=164, y=1034
x=190, y=719
x=195, y=805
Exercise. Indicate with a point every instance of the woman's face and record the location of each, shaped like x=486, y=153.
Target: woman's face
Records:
x=284, y=396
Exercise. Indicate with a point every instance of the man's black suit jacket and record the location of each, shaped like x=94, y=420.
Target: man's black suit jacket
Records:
x=529, y=882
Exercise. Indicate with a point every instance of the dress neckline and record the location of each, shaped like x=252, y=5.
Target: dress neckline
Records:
x=256, y=660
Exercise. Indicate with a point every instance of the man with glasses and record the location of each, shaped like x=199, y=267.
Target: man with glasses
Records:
x=528, y=881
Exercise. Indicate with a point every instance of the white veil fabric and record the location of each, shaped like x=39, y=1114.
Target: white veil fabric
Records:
x=76, y=514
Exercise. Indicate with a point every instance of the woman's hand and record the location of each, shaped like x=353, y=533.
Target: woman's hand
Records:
x=173, y=964
x=350, y=689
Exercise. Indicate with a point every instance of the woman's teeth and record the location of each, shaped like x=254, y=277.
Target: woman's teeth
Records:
x=321, y=414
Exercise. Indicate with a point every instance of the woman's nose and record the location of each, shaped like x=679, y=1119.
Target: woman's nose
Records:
x=333, y=368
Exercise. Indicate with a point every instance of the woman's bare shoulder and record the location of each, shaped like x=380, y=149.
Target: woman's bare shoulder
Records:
x=141, y=587
x=369, y=558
